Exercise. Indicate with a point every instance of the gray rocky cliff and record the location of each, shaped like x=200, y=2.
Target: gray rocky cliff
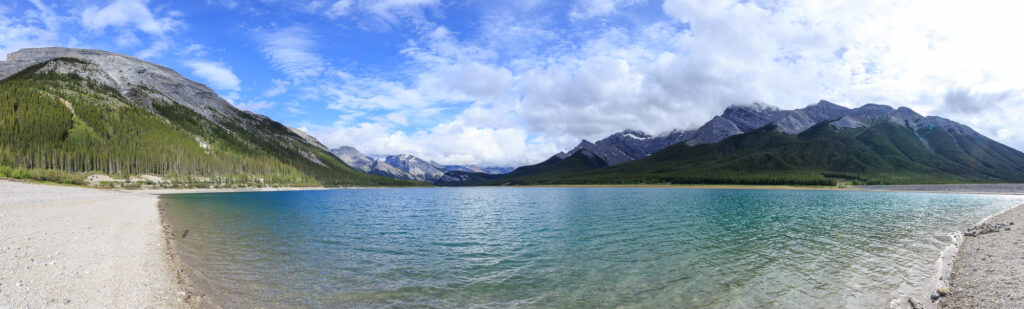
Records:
x=145, y=84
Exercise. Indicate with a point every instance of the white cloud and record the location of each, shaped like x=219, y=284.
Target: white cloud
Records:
x=280, y=86
x=672, y=75
x=126, y=38
x=530, y=86
x=584, y=9
x=231, y=97
x=193, y=49
x=123, y=13
x=452, y=142
x=22, y=30
x=392, y=10
x=295, y=108
x=255, y=106
x=291, y=51
x=217, y=74
x=340, y=8
x=397, y=118
x=154, y=50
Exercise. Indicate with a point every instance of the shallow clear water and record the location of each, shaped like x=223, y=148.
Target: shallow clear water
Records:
x=567, y=247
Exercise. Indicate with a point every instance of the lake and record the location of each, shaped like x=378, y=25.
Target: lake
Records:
x=567, y=247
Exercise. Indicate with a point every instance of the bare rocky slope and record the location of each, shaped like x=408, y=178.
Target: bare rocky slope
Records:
x=406, y=166
x=821, y=144
x=113, y=83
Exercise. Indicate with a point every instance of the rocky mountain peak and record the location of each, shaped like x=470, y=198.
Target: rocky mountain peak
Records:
x=907, y=112
x=953, y=127
x=187, y=110
x=633, y=134
x=750, y=117
x=130, y=76
x=825, y=110
x=872, y=110
x=354, y=158
x=755, y=107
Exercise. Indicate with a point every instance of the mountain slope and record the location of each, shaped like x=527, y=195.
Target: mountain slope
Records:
x=881, y=152
x=407, y=167
x=557, y=165
x=873, y=144
x=69, y=111
x=632, y=145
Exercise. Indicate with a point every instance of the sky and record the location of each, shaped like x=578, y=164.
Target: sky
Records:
x=509, y=83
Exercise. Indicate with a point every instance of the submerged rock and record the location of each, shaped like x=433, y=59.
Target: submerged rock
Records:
x=914, y=304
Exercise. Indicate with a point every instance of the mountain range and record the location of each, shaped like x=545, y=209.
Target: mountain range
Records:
x=407, y=167
x=70, y=112
x=821, y=144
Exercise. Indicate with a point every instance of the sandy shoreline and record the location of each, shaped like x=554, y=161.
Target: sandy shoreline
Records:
x=74, y=247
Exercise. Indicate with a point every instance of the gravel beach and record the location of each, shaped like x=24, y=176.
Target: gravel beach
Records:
x=989, y=268
x=995, y=188
x=72, y=247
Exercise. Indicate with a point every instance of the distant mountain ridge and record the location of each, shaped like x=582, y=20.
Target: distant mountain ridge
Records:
x=632, y=145
x=405, y=166
x=759, y=144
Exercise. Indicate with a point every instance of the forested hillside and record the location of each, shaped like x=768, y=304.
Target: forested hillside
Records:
x=60, y=126
x=882, y=153
x=889, y=147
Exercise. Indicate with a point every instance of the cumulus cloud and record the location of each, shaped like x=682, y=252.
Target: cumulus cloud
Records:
x=963, y=100
x=22, y=30
x=217, y=74
x=679, y=71
x=291, y=51
x=134, y=13
x=677, y=74
x=452, y=142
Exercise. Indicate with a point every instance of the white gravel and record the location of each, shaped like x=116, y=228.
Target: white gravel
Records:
x=989, y=269
x=82, y=248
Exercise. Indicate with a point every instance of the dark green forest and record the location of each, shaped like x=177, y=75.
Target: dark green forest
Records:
x=61, y=127
x=881, y=153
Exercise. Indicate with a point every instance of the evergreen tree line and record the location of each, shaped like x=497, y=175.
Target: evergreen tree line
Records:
x=62, y=122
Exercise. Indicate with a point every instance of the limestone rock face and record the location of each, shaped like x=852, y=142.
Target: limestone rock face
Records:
x=406, y=166
x=354, y=158
x=416, y=167
x=630, y=145
x=145, y=84
x=128, y=75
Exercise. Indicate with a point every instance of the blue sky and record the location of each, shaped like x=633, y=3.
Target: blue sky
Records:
x=512, y=82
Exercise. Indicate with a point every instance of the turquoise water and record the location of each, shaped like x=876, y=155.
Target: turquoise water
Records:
x=567, y=247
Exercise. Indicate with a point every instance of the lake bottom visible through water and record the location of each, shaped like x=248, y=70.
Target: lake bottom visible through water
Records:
x=567, y=247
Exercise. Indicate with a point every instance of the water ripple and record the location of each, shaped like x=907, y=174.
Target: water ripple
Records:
x=567, y=247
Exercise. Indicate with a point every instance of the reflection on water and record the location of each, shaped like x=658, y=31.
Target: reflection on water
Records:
x=567, y=247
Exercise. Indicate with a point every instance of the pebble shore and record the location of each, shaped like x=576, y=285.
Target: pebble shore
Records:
x=989, y=268
x=63, y=246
